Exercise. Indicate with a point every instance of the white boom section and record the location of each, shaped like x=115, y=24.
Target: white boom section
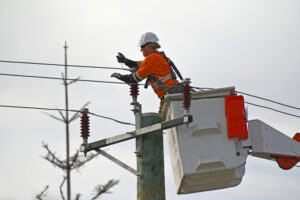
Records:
x=267, y=142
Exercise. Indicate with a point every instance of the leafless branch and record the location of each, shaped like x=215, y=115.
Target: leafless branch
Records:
x=54, y=117
x=62, y=115
x=101, y=189
x=74, y=117
x=74, y=159
x=51, y=157
x=61, y=186
x=64, y=79
x=77, y=163
x=77, y=114
x=42, y=194
x=77, y=196
x=73, y=81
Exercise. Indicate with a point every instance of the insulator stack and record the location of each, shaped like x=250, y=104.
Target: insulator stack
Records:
x=85, y=124
x=186, y=94
x=134, y=90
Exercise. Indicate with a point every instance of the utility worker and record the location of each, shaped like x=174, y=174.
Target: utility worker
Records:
x=157, y=68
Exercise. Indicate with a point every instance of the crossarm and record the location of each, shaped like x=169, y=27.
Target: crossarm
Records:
x=133, y=134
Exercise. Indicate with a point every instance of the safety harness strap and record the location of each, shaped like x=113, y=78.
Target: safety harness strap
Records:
x=177, y=88
x=172, y=65
x=158, y=82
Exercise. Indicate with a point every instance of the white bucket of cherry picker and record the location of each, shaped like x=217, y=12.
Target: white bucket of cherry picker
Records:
x=204, y=155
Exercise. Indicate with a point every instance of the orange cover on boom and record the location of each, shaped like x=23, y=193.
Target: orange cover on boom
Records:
x=236, y=117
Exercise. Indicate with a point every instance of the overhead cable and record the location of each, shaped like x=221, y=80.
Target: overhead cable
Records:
x=57, y=78
x=111, y=119
x=272, y=109
x=70, y=110
x=112, y=82
x=62, y=65
x=276, y=102
x=251, y=95
x=199, y=88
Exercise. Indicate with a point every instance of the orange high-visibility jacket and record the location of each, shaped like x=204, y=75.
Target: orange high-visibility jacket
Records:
x=155, y=64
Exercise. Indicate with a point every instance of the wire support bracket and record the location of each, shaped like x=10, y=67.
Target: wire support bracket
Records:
x=118, y=162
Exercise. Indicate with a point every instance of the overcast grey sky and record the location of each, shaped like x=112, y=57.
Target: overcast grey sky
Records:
x=253, y=45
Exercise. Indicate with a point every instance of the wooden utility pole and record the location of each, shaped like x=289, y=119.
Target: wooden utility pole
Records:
x=151, y=183
x=150, y=154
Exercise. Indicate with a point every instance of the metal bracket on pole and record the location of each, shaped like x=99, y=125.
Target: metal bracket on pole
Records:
x=133, y=134
x=118, y=162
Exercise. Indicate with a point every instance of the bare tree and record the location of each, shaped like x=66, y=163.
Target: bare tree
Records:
x=76, y=161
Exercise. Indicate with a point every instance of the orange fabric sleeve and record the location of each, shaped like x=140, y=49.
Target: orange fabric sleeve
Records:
x=153, y=64
x=146, y=65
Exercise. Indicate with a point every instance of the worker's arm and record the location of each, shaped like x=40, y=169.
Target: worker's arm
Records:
x=128, y=78
x=130, y=63
x=143, y=72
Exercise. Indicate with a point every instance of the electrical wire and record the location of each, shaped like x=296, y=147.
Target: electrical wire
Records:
x=272, y=109
x=99, y=67
x=276, y=102
x=57, y=78
x=258, y=97
x=113, y=82
x=62, y=65
x=126, y=123
x=70, y=110
x=37, y=108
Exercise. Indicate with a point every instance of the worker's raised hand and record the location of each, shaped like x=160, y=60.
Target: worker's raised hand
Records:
x=116, y=75
x=121, y=58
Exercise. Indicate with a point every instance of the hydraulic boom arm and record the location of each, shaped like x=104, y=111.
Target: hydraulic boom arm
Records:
x=268, y=143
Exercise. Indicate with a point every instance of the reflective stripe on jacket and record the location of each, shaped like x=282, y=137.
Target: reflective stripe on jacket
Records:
x=156, y=65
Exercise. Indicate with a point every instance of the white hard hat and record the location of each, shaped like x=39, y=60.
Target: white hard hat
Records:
x=147, y=37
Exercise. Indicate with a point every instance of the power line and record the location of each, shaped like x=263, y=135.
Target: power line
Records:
x=272, y=109
x=261, y=105
x=57, y=78
x=112, y=82
x=276, y=102
x=38, y=108
x=111, y=119
x=62, y=65
x=58, y=109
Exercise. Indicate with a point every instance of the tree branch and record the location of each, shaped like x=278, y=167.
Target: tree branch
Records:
x=62, y=115
x=42, y=194
x=102, y=189
x=51, y=157
x=77, y=163
x=60, y=188
x=77, y=196
x=77, y=114
x=75, y=80
x=54, y=117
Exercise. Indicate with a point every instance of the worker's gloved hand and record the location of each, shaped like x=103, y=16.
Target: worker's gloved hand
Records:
x=116, y=75
x=121, y=58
